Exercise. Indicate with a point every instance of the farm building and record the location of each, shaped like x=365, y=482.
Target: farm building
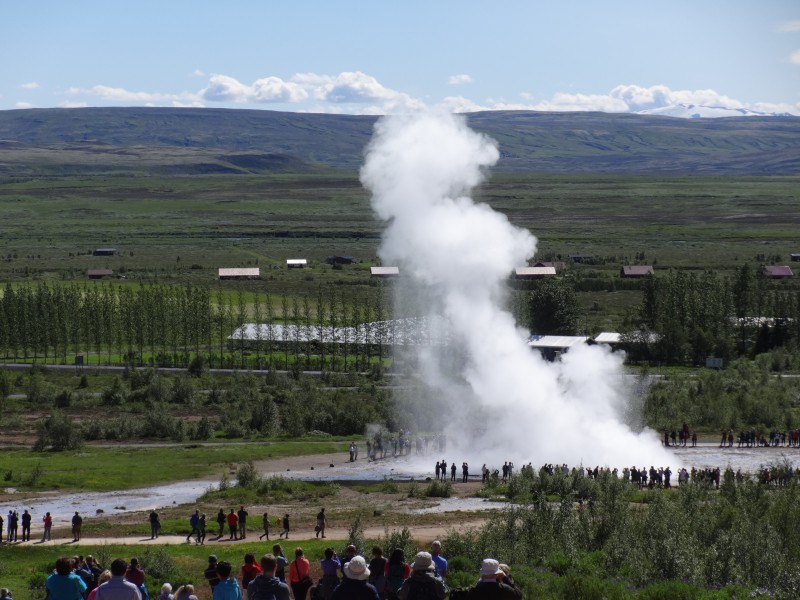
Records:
x=777, y=272
x=635, y=271
x=99, y=273
x=104, y=252
x=794, y=257
x=558, y=266
x=534, y=272
x=240, y=273
x=384, y=272
x=608, y=337
x=339, y=260
x=296, y=263
x=552, y=346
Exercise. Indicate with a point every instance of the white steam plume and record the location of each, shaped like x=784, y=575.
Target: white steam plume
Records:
x=455, y=257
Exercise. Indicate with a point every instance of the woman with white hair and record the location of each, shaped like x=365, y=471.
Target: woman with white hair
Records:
x=354, y=586
x=423, y=583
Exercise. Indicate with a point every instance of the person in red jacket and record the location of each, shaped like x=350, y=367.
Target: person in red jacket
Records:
x=250, y=569
x=135, y=573
x=48, y=526
x=233, y=525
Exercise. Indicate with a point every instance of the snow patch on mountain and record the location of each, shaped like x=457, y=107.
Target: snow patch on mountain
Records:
x=697, y=111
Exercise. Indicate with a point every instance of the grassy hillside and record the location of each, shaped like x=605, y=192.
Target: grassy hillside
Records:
x=191, y=141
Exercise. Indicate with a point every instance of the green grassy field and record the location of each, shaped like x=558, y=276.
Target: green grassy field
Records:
x=130, y=467
x=181, y=229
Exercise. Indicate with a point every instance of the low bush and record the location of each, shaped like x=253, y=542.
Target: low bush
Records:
x=439, y=489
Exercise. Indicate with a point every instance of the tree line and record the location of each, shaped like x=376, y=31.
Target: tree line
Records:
x=696, y=315
x=168, y=325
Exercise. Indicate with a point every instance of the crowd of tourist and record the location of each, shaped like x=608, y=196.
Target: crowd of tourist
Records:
x=274, y=577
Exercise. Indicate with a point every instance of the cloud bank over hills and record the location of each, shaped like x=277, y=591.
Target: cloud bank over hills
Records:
x=358, y=93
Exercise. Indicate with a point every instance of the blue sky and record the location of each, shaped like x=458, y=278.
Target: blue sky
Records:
x=381, y=56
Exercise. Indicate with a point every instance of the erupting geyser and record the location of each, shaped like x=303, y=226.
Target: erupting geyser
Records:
x=505, y=402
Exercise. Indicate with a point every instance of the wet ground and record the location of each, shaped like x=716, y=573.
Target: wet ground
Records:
x=337, y=468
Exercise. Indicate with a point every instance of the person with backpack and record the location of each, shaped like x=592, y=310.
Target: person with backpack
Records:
x=355, y=586
x=281, y=562
x=423, y=584
x=397, y=571
x=194, y=520
x=155, y=524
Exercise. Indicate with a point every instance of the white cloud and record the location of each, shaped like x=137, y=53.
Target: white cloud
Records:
x=355, y=92
x=223, y=88
x=353, y=87
x=790, y=27
x=31, y=85
x=75, y=104
x=311, y=79
x=778, y=108
x=121, y=95
x=642, y=98
x=24, y=105
x=794, y=57
x=621, y=99
x=460, y=104
x=581, y=102
x=198, y=73
x=459, y=79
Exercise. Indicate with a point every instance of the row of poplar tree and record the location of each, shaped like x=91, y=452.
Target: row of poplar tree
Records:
x=697, y=315
x=174, y=325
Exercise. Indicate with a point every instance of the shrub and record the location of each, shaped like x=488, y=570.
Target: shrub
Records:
x=59, y=433
x=203, y=430
x=414, y=490
x=439, y=489
x=247, y=476
x=115, y=394
x=63, y=399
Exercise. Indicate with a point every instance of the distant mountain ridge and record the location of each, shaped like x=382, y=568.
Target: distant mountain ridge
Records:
x=203, y=140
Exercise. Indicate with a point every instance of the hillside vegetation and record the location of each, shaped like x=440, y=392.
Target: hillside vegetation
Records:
x=190, y=141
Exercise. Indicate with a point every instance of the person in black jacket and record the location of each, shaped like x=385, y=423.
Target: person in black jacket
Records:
x=354, y=586
x=491, y=585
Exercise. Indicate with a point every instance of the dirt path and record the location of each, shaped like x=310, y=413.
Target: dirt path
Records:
x=421, y=533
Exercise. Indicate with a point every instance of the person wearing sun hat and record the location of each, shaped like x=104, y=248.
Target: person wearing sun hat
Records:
x=354, y=586
x=491, y=585
x=423, y=583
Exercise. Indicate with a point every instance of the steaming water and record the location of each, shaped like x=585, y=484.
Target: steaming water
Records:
x=63, y=506
x=455, y=255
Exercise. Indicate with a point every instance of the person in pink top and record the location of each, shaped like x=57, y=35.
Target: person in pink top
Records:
x=299, y=578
